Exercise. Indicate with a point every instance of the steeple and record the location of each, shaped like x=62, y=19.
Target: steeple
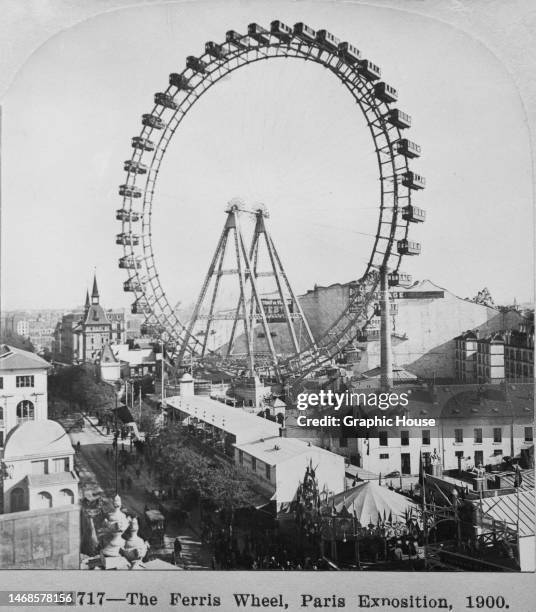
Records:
x=95, y=292
x=87, y=299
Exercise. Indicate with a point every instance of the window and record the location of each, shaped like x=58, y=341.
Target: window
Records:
x=253, y=464
x=459, y=455
x=25, y=411
x=60, y=465
x=479, y=458
x=478, y=435
x=1, y=382
x=1, y=414
x=25, y=381
x=383, y=438
x=66, y=497
x=529, y=434
x=458, y=436
x=384, y=455
x=40, y=467
x=268, y=472
x=343, y=442
x=497, y=434
x=404, y=437
x=241, y=457
x=426, y=436
x=497, y=452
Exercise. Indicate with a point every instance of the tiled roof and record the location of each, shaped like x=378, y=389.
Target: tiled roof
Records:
x=12, y=358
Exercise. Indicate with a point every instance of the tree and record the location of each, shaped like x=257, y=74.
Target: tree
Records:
x=484, y=297
x=12, y=339
x=180, y=461
x=77, y=384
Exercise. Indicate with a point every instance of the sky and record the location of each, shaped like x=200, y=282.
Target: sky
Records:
x=283, y=132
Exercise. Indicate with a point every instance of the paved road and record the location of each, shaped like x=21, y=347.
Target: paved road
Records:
x=97, y=477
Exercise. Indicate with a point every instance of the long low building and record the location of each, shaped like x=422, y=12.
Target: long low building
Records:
x=231, y=425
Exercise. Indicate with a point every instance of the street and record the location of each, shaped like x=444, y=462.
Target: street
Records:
x=96, y=469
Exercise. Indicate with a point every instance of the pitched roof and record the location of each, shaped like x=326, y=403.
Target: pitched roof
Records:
x=107, y=355
x=96, y=316
x=95, y=291
x=506, y=508
x=12, y=358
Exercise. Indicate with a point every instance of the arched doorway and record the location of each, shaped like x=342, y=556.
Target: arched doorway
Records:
x=17, y=500
x=44, y=500
x=66, y=497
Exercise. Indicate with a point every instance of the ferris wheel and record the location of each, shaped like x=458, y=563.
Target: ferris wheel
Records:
x=397, y=182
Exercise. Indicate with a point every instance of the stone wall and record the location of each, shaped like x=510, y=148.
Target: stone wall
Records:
x=40, y=539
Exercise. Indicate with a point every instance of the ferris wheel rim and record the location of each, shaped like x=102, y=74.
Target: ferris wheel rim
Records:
x=362, y=91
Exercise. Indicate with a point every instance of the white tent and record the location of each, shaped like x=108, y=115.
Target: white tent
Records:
x=369, y=501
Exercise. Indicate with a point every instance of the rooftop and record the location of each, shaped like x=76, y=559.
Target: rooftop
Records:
x=37, y=438
x=12, y=358
x=244, y=426
x=39, y=480
x=511, y=506
x=278, y=450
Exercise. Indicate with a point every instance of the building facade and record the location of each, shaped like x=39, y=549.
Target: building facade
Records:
x=38, y=468
x=23, y=389
x=278, y=466
x=506, y=355
x=81, y=335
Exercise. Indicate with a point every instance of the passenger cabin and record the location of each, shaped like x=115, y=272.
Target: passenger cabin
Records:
x=408, y=148
x=127, y=215
x=152, y=121
x=304, y=32
x=130, y=263
x=130, y=191
x=413, y=214
x=327, y=40
x=215, y=50
x=134, y=167
x=151, y=329
x=399, y=119
x=165, y=100
x=281, y=30
x=361, y=336
x=413, y=180
x=143, y=144
x=349, y=52
x=179, y=81
x=195, y=64
x=258, y=33
x=133, y=284
x=127, y=239
x=385, y=92
x=369, y=70
x=406, y=247
x=234, y=38
x=396, y=279
x=140, y=307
